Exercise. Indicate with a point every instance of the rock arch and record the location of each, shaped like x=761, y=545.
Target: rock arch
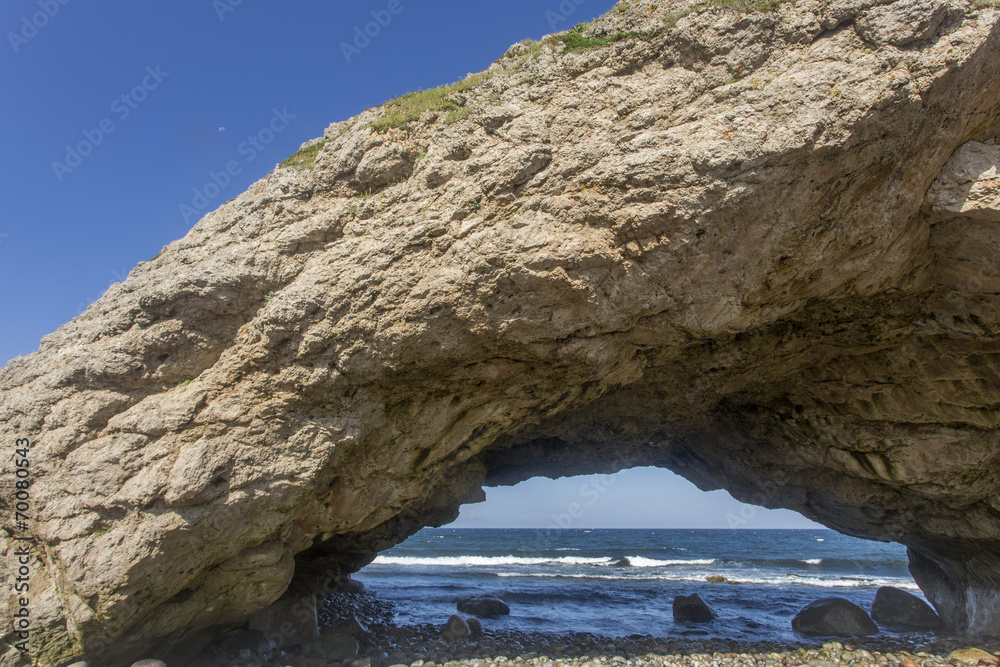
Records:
x=760, y=256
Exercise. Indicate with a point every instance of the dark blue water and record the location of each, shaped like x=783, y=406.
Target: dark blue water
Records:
x=621, y=582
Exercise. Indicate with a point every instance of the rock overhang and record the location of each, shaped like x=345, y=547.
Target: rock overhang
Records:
x=710, y=249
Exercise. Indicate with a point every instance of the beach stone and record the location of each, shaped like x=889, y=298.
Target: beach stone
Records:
x=334, y=645
x=715, y=579
x=484, y=605
x=475, y=628
x=833, y=616
x=149, y=663
x=456, y=628
x=82, y=663
x=692, y=609
x=898, y=608
x=351, y=627
x=971, y=656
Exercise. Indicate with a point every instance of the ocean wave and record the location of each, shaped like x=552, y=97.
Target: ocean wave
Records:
x=847, y=582
x=485, y=561
x=811, y=561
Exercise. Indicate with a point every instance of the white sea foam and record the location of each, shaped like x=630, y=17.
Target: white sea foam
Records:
x=812, y=561
x=803, y=581
x=639, y=561
x=486, y=561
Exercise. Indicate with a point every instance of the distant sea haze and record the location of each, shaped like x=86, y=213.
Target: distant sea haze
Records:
x=622, y=582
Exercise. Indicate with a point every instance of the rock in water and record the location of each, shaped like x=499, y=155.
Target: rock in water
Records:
x=456, y=628
x=484, y=606
x=692, y=609
x=715, y=579
x=898, y=608
x=833, y=617
x=733, y=244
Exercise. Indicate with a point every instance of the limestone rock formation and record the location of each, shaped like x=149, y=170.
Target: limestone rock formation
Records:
x=754, y=248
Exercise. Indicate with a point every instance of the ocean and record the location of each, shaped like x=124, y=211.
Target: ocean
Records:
x=622, y=582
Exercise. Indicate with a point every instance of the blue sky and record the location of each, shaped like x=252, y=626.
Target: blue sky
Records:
x=636, y=498
x=117, y=113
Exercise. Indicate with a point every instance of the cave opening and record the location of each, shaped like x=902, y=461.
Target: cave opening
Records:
x=607, y=554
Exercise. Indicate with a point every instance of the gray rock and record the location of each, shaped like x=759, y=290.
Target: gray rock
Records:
x=475, y=628
x=333, y=645
x=149, y=663
x=898, y=608
x=484, y=606
x=456, y=628
x=351, y=626
x=692, y=609
x=833, y=617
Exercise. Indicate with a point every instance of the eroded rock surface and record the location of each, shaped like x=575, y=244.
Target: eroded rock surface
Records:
x=709, y=248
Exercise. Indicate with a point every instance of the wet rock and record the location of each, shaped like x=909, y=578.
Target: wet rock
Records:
x=834, y=617
x=484, y=606
x=475, y=628
x=692, y=609
x=149, y=663
x=898, y=608
x=716, y=579
x=456, y=628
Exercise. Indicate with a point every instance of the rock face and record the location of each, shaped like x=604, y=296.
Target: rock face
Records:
x=756, y=249
x=833, y=617
x=484, y=605
x=897, y=608
x=692, y=609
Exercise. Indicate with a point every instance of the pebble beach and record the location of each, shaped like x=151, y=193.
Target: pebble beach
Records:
x=382, y=644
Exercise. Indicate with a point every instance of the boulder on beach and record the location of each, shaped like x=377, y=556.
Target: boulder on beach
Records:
x=972, y=656
x=475, y=628
x=715, y=579
x=834, y=617
x=334, y=646
x=900, y=609
x=456, y=628
x=484, y=605
x=692, y=609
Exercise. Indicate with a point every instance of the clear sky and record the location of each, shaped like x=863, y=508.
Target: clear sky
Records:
x=636, y=498
x=116, y=112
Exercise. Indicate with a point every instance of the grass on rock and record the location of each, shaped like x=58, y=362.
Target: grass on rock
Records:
x=305, y=158
x=402, y=111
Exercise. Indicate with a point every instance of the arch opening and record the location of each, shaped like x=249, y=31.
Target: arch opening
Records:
x=607, y=554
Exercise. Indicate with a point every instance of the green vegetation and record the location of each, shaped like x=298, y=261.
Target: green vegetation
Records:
x=742, y=6
x=305, y=158
x=366, y=194
x=473, y=204
x=185, y=381
x=270, y=295
x=576, y=40
x=402, y=111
